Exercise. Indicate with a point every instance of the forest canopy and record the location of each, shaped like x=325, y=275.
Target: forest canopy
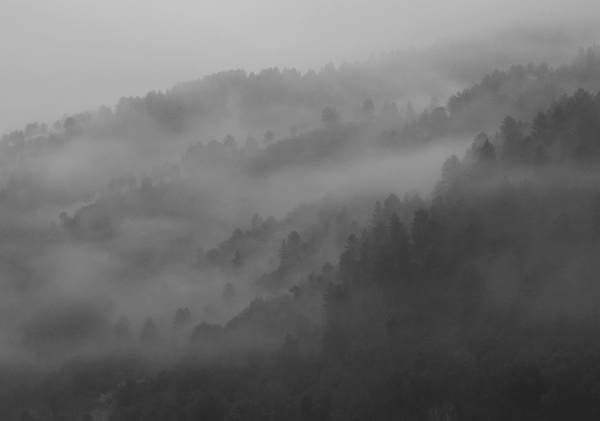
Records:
x=316, y=246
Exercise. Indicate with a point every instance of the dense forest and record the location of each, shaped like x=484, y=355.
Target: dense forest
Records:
x=360, y=255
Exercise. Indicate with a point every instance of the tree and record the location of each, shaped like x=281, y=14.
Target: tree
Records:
x=268, y=138
x=368, y=109
x=420, y=232
x=149, y=331
x=438, y=121
x=410, y=112
x=237, y=260
x=424, y=119
x=486, y=152
x=208, y=407
x=230, y=144
x=400, y=247
x=57, y=126
x=391, y=205
x=69, y=123
x=426, y=243
x=333, y=300
x=471, y=289
x=540, y=127
x=380, y=262
x=473, y=236
x=451, y=173
x=512, y=139
x=378, y=217
x=350, y=261
x=182, y=316
x=330, y=117
x=596, y=215
x=559, y=119
x=256, y=224
x=291, y=249
x=526, y=386
x=508, y=127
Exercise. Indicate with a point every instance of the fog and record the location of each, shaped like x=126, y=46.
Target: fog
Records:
x=308, y=211
x=69, y=57
x=144, y=263
x=134, y=207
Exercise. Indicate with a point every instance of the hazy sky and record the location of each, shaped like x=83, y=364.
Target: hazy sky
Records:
x=66, y=56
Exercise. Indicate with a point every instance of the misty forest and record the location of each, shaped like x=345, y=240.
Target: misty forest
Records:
x=412, y=237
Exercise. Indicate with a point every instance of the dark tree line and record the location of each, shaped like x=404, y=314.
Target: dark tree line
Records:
x=479, y=303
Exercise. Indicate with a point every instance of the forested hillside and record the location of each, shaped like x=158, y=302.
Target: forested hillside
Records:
x=335, y=253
